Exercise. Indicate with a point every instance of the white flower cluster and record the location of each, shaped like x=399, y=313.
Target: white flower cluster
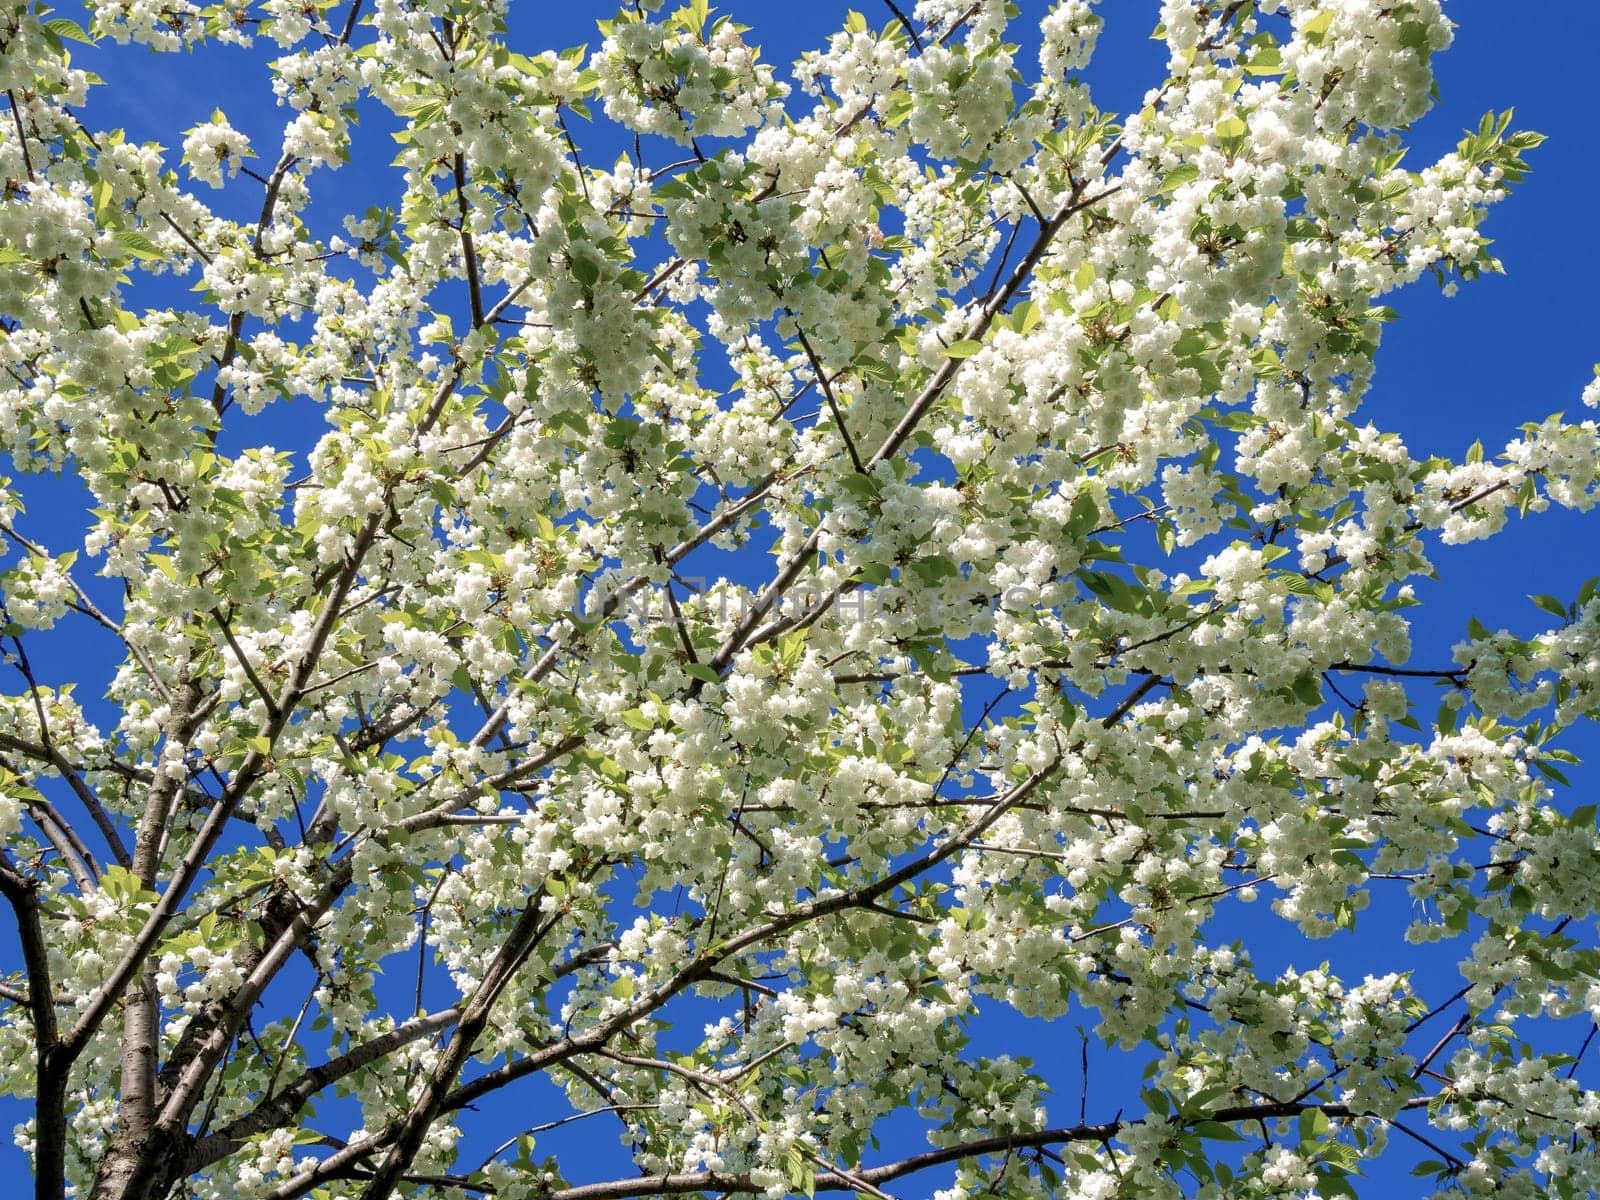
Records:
x=676, y=81
x=215, y=151
x=160, y=24
x=1366, y=60
x=38, y=591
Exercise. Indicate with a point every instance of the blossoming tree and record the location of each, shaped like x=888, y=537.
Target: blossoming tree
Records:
x=485, y=692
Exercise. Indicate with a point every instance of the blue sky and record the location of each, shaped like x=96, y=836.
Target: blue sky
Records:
x=1506, y=350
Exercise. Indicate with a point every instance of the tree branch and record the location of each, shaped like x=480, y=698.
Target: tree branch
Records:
x=468, y=253
x=50, y=1122
x=821, y=377
x=280, y=1109
x=407, y=1139
x=834, y=1181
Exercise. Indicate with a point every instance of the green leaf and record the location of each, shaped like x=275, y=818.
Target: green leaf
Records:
x=1179, y=175
x=1231, y=129
x=862, y=487
x=1307, y=690
x=1551, y=773
x=1084, y=515
x=874, y=574
x=1313, y=1124
x=965, y=348
x=798, y=1172
x=1315, y=29
x=875, y=369
x=585, y=271
x=934, y=569
x=1216, y=1131
x=1268, y=60
x=62, y=27
x=136, y=245
x=1331, y=1181
x=1550, y=605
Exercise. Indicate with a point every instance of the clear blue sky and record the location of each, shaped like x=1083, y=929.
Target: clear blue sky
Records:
x=1505, y=351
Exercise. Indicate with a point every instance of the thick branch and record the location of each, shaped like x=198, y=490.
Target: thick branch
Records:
x=278, y=1110
x=469, y=253
x=50, y=1123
